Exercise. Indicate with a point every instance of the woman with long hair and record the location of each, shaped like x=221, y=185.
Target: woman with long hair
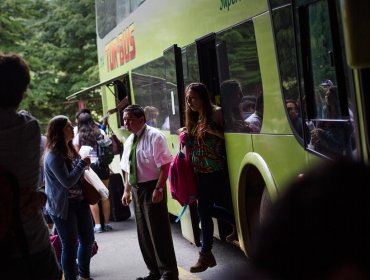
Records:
x=88, y=134
x=207, y=152
x=69, y=211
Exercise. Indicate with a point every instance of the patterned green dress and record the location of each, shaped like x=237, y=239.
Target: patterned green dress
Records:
x=207, y=154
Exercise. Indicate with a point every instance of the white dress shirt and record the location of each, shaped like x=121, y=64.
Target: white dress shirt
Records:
x=151, y=153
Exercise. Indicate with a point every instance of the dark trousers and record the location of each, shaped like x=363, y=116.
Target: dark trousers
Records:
x=154, y=231
x=209, y=188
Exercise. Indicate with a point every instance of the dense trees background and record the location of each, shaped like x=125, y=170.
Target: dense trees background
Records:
x=57, y=38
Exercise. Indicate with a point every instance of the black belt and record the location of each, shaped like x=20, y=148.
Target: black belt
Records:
x=145, y=184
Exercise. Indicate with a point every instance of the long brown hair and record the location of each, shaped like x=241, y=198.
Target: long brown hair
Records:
x=55, y=140
x=193, y=121
x=88, y=130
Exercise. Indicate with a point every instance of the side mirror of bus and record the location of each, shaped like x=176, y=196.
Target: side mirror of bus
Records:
x=356, y=22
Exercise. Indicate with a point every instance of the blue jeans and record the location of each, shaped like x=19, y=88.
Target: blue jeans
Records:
x=79, y=226
x=209, y=185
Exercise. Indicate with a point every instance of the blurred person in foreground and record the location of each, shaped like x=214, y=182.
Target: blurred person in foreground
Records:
x=319, y=229
x=20, y=154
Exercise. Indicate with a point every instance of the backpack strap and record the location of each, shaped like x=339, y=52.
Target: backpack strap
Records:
x=182, y=213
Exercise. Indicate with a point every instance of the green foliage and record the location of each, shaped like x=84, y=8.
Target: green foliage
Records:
x=57, y=38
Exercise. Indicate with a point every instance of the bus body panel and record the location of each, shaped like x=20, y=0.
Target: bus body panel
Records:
x=284, y=156
x=159, y=24
x=273, y=102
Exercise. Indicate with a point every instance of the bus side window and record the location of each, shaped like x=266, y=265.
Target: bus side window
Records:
x=284, y=35
x=325, y=82
x=241, y=82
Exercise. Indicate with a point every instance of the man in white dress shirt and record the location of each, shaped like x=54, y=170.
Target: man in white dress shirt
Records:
x=152, y=158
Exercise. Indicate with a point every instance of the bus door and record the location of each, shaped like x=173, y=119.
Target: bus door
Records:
x=174, y=89
x=208, y=68
x=208, y=74
x=241, y=92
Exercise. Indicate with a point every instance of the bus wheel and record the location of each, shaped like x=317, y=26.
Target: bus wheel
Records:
x=265, y=205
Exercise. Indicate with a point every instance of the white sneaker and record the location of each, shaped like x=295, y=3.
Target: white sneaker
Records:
x=98, y=229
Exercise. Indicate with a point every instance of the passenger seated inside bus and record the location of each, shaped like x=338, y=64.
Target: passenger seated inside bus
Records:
x=332, y=135
x=248, y=106
x=294, y=115
x=255, y=120
x=231, y=99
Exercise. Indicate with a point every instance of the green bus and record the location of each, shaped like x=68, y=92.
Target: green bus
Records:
x=303, y=65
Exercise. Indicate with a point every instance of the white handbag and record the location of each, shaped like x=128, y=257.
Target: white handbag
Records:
x=91, y=177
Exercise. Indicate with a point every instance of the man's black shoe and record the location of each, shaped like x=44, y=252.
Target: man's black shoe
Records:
x=150, y=277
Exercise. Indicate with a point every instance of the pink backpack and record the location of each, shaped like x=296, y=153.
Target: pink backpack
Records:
x=57, y=244
x=182, y=179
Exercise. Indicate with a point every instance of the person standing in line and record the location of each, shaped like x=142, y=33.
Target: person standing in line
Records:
x=69, y=211
x=88, y=134
x=147, y=147
x=103, y=125
x=20, y=155
x=207, y=152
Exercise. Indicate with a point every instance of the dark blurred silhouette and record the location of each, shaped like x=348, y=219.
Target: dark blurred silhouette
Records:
x=319, y=229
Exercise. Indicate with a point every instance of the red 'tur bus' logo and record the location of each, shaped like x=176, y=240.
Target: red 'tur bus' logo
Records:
x=121, y=50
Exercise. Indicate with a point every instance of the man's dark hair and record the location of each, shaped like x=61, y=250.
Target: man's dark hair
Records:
x=14, y=80
x=136, y=109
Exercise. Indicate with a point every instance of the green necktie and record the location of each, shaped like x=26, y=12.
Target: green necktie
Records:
x=132, y=180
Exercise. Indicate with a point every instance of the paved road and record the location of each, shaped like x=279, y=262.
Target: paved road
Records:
x=119, y=256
